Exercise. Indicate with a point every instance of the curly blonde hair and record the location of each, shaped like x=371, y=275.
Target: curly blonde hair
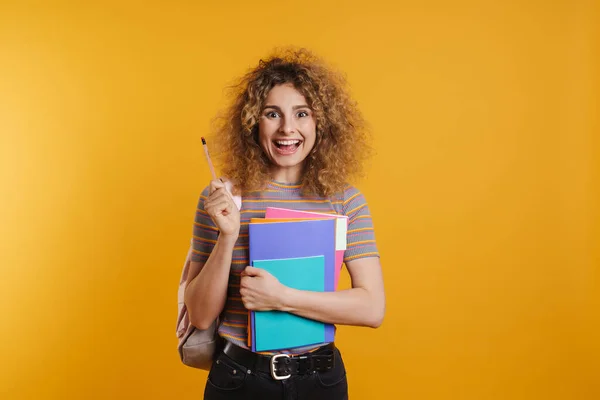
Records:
x=341, y=144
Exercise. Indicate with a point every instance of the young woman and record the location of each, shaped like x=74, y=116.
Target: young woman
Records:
x=292, y=138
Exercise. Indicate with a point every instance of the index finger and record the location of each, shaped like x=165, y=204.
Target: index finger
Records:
x=214, y=185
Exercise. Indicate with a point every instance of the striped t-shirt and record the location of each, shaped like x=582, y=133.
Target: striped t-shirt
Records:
x=360, y=241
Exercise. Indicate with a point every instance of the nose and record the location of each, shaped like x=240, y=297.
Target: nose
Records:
x=287, y=125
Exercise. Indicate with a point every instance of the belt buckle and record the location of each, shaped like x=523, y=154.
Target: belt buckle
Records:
x=273, y=372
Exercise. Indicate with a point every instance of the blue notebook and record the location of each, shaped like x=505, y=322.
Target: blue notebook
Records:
x=283, y=240
x=276, y=330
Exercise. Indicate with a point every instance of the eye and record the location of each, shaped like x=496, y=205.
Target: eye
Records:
x=271, y=114
x=302, y=114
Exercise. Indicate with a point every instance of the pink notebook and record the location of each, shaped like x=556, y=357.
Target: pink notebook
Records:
x=341, y=229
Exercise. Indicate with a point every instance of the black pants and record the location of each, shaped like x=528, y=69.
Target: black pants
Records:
x=229, y=380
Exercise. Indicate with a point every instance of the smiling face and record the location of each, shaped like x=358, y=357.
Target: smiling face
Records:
x=286, y=132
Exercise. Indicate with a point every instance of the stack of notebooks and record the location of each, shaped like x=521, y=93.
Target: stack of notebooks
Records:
x=305, y=251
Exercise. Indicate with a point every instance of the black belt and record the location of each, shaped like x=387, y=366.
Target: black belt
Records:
x=282, y=366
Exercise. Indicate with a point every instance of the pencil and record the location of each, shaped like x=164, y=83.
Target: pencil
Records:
x=210, y=165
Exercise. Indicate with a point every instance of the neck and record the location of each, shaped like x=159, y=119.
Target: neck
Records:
x=287, y=175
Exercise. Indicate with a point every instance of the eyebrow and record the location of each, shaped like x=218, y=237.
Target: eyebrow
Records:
x=293, y=108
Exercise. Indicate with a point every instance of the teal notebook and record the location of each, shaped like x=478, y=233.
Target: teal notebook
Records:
x=276, y=330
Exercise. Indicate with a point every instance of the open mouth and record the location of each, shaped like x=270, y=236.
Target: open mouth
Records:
x=288, y=146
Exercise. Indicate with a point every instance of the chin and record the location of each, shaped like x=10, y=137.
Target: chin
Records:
x=278, y=163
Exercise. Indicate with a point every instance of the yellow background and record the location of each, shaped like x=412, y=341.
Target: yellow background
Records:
x=484, y=189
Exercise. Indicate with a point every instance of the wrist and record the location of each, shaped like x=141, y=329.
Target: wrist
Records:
x=227, y=240
x=285, y=302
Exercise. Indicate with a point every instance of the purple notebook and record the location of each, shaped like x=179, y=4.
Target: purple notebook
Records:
x=280, y=240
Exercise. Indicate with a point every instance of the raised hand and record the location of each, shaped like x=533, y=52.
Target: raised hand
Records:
x=221, y=208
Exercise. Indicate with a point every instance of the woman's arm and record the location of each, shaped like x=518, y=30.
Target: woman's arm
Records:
x=363, y=305
x=206, y=292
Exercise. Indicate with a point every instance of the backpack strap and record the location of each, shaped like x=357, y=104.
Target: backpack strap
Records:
x=236, y=199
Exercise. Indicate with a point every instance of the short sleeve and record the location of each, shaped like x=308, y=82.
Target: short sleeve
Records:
x=361, y=234
x=205, y=232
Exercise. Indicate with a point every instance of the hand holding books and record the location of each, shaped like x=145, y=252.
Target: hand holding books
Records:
x=260, y=290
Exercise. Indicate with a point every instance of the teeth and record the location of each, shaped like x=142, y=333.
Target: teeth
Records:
x=287, y=142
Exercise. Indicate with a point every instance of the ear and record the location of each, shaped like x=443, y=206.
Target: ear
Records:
x=254, y=133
